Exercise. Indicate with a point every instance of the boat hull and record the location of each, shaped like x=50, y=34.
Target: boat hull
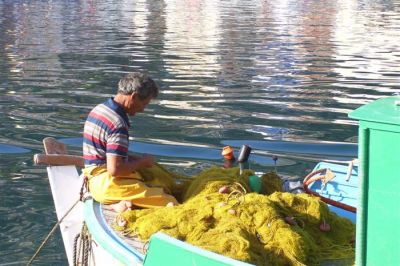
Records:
x=342, y=188
x=111, y=249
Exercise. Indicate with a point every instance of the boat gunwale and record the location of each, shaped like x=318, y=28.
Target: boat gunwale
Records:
x=105, y=236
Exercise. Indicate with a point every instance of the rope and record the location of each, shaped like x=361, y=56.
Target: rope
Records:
x=310, y=178
x=84, y=189
x=74, y=256
x=82, y=197
x=82, y=247
x=51, y=233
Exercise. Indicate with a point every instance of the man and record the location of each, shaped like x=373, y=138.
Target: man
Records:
x=112, y=173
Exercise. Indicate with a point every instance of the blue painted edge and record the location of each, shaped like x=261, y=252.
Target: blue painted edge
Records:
x=180, y=151
x=106, y=237
x=5, y=148
x=341, y=170
x=333, y=149
x=193, y=249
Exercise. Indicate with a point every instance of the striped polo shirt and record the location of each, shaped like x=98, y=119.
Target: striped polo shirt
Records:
x=105, y=132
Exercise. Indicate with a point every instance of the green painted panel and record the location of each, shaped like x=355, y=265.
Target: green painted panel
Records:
x=383, y=235
x=165, y=250
x=385, y=110
x=378, y=212
x=362, y=207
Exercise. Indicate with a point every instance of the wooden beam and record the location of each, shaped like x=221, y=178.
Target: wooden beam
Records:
x=52, y=146
x=57, y=154
x=59, y=159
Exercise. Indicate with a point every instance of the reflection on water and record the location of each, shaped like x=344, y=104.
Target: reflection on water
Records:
x=262, y=62
x=280, y=73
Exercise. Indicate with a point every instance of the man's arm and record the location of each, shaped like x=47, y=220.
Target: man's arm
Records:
x=119, y=166
x=132, y=157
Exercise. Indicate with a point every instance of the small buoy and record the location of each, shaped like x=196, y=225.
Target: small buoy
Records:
x=255, y=183
x=290, y=220
x=227, y=152
x=221, y=204
x=170, y=204
x=122, y=222
x=224, y=190
x=324, y=227
x=232, y=211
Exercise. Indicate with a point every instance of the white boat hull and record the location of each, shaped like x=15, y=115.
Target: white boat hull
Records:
x=65, y=184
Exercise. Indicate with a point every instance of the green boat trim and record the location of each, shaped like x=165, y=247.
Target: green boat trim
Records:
x=162, y=247
x=106, y=237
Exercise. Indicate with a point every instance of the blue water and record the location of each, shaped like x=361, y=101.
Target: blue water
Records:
x=281, y=76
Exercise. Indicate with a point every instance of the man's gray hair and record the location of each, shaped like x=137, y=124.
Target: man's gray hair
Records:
x=140, y=83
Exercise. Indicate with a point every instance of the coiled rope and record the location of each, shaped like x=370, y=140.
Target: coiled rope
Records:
x=82, y=247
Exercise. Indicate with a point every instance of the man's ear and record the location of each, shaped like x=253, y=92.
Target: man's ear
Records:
x=133, y=95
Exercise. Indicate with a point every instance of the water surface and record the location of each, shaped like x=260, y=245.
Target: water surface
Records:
x=281, y=75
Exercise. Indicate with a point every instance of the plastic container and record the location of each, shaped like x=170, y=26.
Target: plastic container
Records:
x=244, y=153
x=255, y=183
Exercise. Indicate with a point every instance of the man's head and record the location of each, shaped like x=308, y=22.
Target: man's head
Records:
x=135, y=92
x=138, y=83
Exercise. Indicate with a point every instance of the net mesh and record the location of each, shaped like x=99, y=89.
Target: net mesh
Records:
x=219, y=213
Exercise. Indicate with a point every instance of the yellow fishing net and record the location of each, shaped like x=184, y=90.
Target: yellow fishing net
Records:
x=220, y=214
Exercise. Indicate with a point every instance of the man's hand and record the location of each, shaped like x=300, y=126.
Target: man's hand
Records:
x=120, y=166
x=145, y=161
x=132, y=157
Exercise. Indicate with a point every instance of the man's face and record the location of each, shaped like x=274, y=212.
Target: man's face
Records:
x=137, y=105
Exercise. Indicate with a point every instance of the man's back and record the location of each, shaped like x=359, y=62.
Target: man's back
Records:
x=105, y=131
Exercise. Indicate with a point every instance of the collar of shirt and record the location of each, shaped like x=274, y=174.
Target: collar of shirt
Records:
x=118, y=109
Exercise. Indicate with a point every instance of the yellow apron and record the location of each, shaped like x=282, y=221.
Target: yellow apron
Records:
x=108, y=189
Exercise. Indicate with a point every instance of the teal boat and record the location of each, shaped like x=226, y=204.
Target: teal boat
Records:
x=341, y=193
x=75, y=208
x=112, y=247
x=371, y=187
